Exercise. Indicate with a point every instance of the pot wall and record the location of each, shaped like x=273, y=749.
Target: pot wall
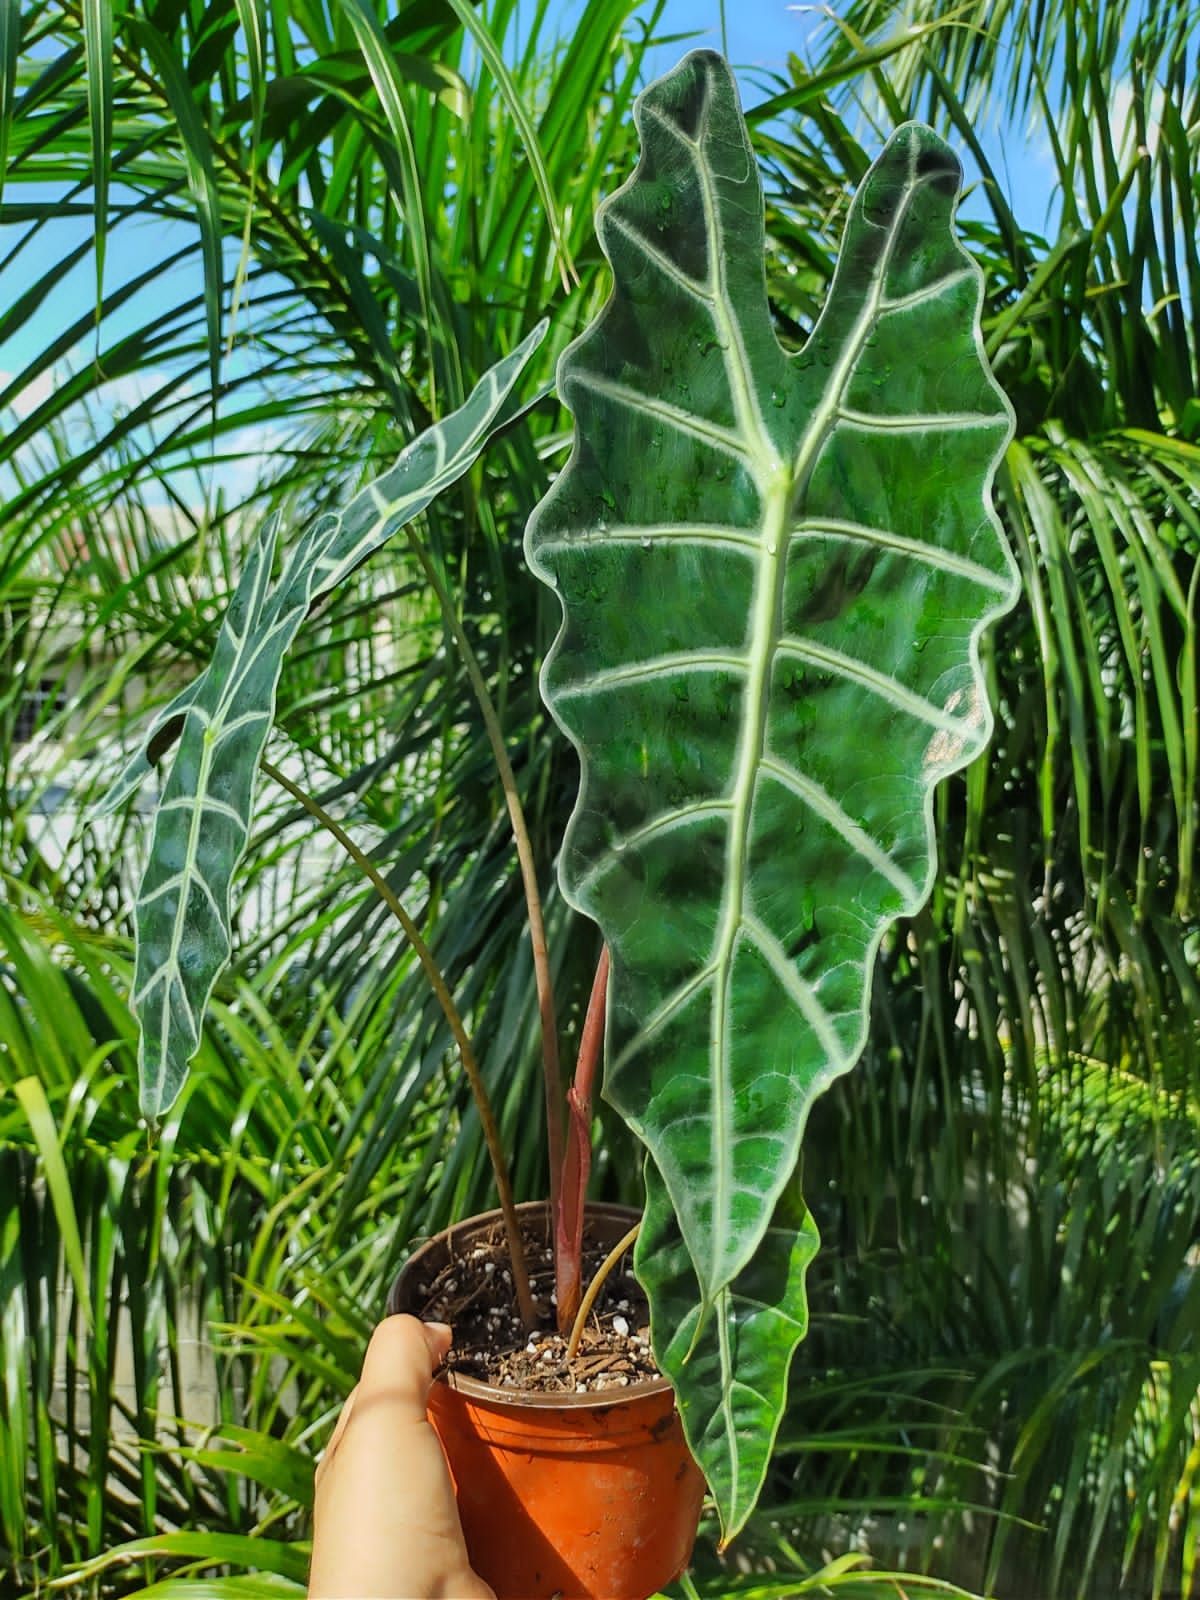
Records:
x=579, y=1497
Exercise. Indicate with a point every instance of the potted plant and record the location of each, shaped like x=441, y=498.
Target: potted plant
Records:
x=775, y=573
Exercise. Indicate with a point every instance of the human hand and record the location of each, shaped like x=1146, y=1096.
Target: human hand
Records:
x=385, y=1521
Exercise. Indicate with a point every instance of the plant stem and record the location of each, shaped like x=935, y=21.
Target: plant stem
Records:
x=450, y=1011
x=577, y=1163
x=537, y=928
x=594, y=1288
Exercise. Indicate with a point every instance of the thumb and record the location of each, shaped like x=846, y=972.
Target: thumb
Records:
x=400, y=1363
x=385, y=1521
x=438, y=1337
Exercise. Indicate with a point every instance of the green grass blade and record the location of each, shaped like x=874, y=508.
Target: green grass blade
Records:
x=98, y=53
x=515, y=101
x=207, y=1549
x=389, y=86
x=240, y=1586
x=32, y=1097
x=10, y=50
x=196, y=140
x=252, y=14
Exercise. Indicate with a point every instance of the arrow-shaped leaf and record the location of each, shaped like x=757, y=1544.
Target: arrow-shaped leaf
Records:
x=222, y=721
x=774, y=573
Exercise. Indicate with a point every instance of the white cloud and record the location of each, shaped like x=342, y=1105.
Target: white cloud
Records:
x=248, y=455
x=116, y=396
x=257, y=451
x=26, y=400
x=1123, y=122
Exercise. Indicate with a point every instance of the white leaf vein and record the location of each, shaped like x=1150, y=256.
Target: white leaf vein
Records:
x=790, y=980
x=932, y=291
x=667, y=822
x=823, y=805
x=878, y=683
x=710, y=433
x=669, y=666
x=659, y=259
x=886, y=538
x=918, y=421
x=694, y=534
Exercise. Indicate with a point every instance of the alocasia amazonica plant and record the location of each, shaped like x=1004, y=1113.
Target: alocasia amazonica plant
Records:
x=775, y=573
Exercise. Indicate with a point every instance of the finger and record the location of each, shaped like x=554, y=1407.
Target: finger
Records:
x=439, y=1338
x=338, y=1430
x=395, y=1349
x=400, y=1363
x=390, y=1474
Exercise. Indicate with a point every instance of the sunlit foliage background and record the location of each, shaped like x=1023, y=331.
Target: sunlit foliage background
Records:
x=248, y=250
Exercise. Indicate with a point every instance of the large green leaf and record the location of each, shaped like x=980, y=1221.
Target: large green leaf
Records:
x=774, y=574
x=222, y=721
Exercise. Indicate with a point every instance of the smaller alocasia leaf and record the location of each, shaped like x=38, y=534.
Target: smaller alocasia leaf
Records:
x=220, y=724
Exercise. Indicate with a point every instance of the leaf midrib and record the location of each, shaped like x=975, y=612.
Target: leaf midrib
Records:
x=188, y=872
x=781, y=485
x=770, y=474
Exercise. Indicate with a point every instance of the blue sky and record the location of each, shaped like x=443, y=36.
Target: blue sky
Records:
x=761, y=33
x=760, y=36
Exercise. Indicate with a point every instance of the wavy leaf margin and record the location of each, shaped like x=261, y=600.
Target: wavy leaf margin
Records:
x=775, y=574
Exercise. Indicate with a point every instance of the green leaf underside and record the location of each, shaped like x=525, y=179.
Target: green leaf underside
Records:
x=203, y=818
x=774, y=572
x=757, y=1322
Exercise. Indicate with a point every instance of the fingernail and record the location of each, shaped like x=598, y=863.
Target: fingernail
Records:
x=441, y=1327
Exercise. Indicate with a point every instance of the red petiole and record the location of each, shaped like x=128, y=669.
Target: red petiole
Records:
x=577, y=1161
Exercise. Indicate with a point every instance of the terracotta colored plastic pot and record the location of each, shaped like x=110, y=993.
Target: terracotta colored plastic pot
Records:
x=562, y=1497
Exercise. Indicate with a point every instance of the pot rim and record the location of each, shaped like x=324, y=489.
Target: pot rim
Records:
x=521, y=1399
